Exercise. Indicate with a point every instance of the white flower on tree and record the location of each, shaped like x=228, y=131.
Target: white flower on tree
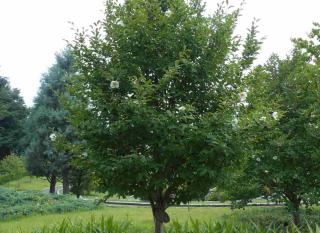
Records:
x=114, y=85
x=182, y=108
x=53, y=137
x=263, y=118
x=243, y=96
x=275, y=115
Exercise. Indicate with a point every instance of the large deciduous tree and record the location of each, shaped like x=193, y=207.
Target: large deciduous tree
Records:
x=281, y=124
x=12, y=115
x=156, y=79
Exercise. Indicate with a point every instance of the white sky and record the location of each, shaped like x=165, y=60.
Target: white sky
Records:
x=32, y=31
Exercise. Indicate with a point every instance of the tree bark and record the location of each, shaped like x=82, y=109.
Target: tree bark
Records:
x=53, y=181
x=158, y=226
x=296, y=213
x=295, y=200
x=65, y=181
x=159, y=214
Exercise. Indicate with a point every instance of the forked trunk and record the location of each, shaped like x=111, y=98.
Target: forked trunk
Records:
x=53, y=181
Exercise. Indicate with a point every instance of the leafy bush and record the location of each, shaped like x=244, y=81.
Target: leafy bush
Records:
x=217, y=195
x=277, y=217
x=193, y=226
x=16, y=204
x=12, y=167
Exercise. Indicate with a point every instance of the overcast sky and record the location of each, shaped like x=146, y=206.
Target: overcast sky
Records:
x=32, y=31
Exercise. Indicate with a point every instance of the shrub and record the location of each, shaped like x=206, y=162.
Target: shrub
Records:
x=278, y=217
x=12, y=167
x=16, y=204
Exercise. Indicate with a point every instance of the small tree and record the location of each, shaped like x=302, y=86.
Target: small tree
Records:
x=281, y=125
x=153, y=91
x=12, y=167
x=81, y=179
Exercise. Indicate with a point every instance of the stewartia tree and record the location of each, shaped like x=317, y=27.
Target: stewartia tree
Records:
x=281, y=124
x=156, y=79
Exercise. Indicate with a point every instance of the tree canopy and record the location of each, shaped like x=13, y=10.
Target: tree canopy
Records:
x=12, y=115
x=153, y=98
x=46, y=121
x=281, y=124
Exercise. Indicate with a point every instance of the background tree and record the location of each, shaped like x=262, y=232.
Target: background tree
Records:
x=153, y=98
x=81, y=178
x=281, y=124
x=12, y=167
x=48, y=120
x=12, y=115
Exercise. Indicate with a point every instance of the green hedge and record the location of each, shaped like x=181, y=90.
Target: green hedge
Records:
x=16, y=204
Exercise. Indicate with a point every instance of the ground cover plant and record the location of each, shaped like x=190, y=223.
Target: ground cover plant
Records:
x=16, y=204
x=277, y=217
x=139, y=216
x=192, y=226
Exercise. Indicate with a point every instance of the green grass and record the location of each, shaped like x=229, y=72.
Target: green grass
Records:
x=28, y=183
x=140, y=216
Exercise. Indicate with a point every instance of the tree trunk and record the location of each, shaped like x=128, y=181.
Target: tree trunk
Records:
x=296, y=213
x=295, y=201
x=158, y=226
x=65, y=181
x=159, y=215
x=53, y=181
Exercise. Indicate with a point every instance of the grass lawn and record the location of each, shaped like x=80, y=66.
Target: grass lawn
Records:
x=140, y=216
x=28, y=183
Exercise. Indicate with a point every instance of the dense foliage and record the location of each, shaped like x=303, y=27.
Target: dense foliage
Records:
x=47, y=120
x=155, y=81
x=110, y=225
x=16, y=204
x=12, y=167
x=12, y=115
x=281, y=124
x=277, y=217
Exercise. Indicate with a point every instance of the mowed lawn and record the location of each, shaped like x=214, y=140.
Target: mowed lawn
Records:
x=140, y=216
x=28, y=183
